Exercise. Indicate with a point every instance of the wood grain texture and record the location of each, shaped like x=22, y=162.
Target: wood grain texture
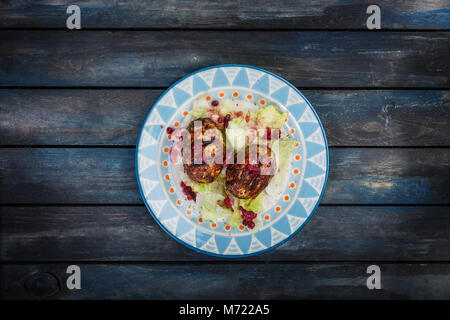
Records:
x=227, y=14
x=226, y=281
x=111, y=233
x=159, y=58
x=114, y=116
x=107, y=176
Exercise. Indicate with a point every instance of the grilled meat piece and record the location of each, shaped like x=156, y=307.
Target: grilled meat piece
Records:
x=248, y=180
x=211, y=141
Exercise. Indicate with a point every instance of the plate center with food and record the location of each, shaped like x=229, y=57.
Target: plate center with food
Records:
x=232, y=160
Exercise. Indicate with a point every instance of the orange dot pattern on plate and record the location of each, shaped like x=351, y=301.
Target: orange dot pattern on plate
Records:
x=188, y=212
x=267, y=218
x=176, y=124
x=292, y=130
x=262, y=102
x=166, y=149
x=169, y=136
x=295, y=171
x=167, y=177
x=165, y=163
x=221, y=94
x=227, y=228
x=241, y=227
x=249, y=97
x=171, y=190
x=235, y=94
x=200, y=220
x=179, y=202
x=297, y=144
x=185, y=113
x=286, y=198
x=277, y=209
x=208, y=98
x=213, y=225
x=292, y=185
x=297, y=157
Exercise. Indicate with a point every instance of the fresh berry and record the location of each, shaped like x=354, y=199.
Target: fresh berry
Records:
x=228, y=202
x=215, y=103
x=170, y=130
x=188, y=192
x=220, y=119
x=247, y=217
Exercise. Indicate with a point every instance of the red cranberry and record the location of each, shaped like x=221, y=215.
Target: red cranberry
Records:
x=247, y=118
x=170, y=130
x=215, y=103
x=220, y=119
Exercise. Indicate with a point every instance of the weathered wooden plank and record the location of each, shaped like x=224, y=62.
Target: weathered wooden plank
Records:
x=158, y=58
x=230, y=14
x=115, y=116
x=107, y=176
x=225, y=281
x=130, y=234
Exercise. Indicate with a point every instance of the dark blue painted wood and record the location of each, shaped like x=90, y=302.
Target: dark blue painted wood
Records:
x=235, y=281
x=159, y=58
x=114, y=117
x=111, y=233
x=107, y=176
x=205, y=14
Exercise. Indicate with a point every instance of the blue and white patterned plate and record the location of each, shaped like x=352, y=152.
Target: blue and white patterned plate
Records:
x=307, y=178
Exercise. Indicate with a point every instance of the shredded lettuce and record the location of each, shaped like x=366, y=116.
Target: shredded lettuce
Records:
x=226, y=106
x=270, y=117
x=254, y=205
x=199, y=108
x=282, y=150
x=236, y=218
x=236, y=133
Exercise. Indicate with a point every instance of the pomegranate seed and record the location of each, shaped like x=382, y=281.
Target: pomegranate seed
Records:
x=170, y=130
x=247, y=217
x=239, y=114
x=228, y=202
x=220, y=119
x=268, y=133
x=188, y=192
x=227, y=118
x=215, y=103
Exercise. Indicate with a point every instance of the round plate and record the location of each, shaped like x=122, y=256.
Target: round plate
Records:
x=305, y=185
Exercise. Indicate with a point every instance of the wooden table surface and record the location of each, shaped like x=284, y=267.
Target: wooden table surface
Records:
x=72, y=103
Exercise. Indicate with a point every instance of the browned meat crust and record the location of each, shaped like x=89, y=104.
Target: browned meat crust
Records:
x=249, y=180
x=205, y=172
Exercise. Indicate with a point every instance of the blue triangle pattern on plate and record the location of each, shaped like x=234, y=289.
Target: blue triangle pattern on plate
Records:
x=262, y=84
x=151, y=173
x=150, y=152
x=312, y=170
x=313, y=148
x=157, y=194
x=154, y=130
x=222, y=242
x=183, y=227
x=281, y=94
x=265, y=237
x=241, y=79
x=298, y=210
x=165, y=112
x=167, y=213
x=297, y=109
x=201, y=238
x=199, y=85
x=282, y=225
x=180, y=96
x=307, y=191
x=220, y=79
x=308, y=128
x=244, y=243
